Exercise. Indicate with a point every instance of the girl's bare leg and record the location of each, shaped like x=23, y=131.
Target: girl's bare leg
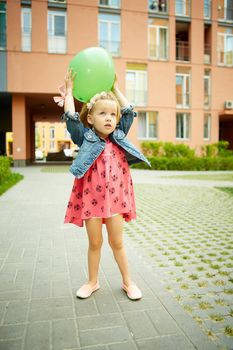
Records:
x=115, y=238
x=94, y=232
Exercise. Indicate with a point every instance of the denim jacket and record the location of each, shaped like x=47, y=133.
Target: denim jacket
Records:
x=91, y=145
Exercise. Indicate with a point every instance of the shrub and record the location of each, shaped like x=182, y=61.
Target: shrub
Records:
x=4, y=168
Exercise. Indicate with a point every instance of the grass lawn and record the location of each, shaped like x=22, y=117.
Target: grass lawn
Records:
x=228, y=190
x=55, y=169
x=11, y=181
x=209, y=177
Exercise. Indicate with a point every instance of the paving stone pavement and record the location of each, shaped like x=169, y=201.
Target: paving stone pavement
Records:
x=43, y=262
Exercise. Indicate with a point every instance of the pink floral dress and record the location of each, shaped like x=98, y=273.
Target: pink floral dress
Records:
x=105, y=189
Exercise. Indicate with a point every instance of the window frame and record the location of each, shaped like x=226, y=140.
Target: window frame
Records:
x=184, y=104
x=225, y=35
x=109, y=31
x=208, y=125
x=51, y=35
x=147, y=137
x=157, y=29
x=136, y=72
x=185, y=115
x=26, y=35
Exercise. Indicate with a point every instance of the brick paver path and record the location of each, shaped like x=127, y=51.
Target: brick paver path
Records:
x=43, y=262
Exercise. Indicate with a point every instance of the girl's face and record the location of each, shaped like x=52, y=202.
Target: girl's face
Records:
x=103, y=117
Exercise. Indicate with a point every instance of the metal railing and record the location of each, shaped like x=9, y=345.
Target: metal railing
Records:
x=225, y=58
x=182, y=51
x=183, y=100
x=158, y=52
x=56, y=44
x=207, y=53
x=137, y=97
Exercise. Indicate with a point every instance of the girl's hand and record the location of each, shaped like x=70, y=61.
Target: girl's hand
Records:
x=69, y=79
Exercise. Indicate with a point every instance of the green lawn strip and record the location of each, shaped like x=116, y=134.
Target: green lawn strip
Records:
x=228, y=190
x=208, y=177
x=55, y=169
x=11, y=181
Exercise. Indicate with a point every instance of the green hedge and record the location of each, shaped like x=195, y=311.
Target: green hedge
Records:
x=4, y=168
x=169, y=156
x=7, y=178
x=185, y=163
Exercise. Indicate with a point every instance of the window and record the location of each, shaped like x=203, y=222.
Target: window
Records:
x=182, y=90
x=110, y=3
x=147, y=125
x=52, y=132
x=207, y=89
x=182, y=8
x=26, y=28
x=136, y=87
x=109, y=33
x=159, y=6
x=43, y=132
x=52, y=145
x=182, y=125
x=225, y=49
x=225, y=10
x=57, y=32
x=158, y=42
x=207, y=121
x=207, y=9
x=2, y=26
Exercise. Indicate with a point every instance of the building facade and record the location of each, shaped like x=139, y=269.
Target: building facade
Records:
x=173, y=58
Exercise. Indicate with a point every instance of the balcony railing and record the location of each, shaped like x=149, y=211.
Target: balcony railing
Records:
x=183, y=100
x=207, y=53
x=183, y=8
x=182, y=51
x=225, y=58
x=111, y=46
x=158, y=52
x=158, y=6
x=56, y=44
x=225, y=14
x=137, y=97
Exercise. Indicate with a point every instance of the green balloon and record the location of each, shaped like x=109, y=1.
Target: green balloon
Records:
x=95, y=73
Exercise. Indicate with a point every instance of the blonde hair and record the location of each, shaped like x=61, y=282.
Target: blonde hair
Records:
x=88, y=107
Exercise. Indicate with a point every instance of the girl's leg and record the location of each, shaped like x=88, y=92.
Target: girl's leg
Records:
x=114, y=227
x=94, y=231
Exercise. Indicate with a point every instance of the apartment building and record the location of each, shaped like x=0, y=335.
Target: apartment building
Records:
x=173, y=58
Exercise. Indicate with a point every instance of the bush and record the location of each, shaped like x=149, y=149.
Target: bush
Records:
x=187, y=163
x=4, y=168
x=217, y=149
x=7, y=179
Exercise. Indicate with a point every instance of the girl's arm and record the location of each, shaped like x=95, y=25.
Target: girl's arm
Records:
x=126, y=109
x=73, y=122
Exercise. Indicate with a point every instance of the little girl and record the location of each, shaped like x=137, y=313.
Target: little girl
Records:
x=103, y=188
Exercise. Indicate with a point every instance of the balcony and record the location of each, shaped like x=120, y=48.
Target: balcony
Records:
x=183, y=8
x=207, y=53
x=112, y=47
x=183, y=100
x=137, y=97
x=158, y=6
x=182, y=51
x=225, y=14
x=158, y=52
